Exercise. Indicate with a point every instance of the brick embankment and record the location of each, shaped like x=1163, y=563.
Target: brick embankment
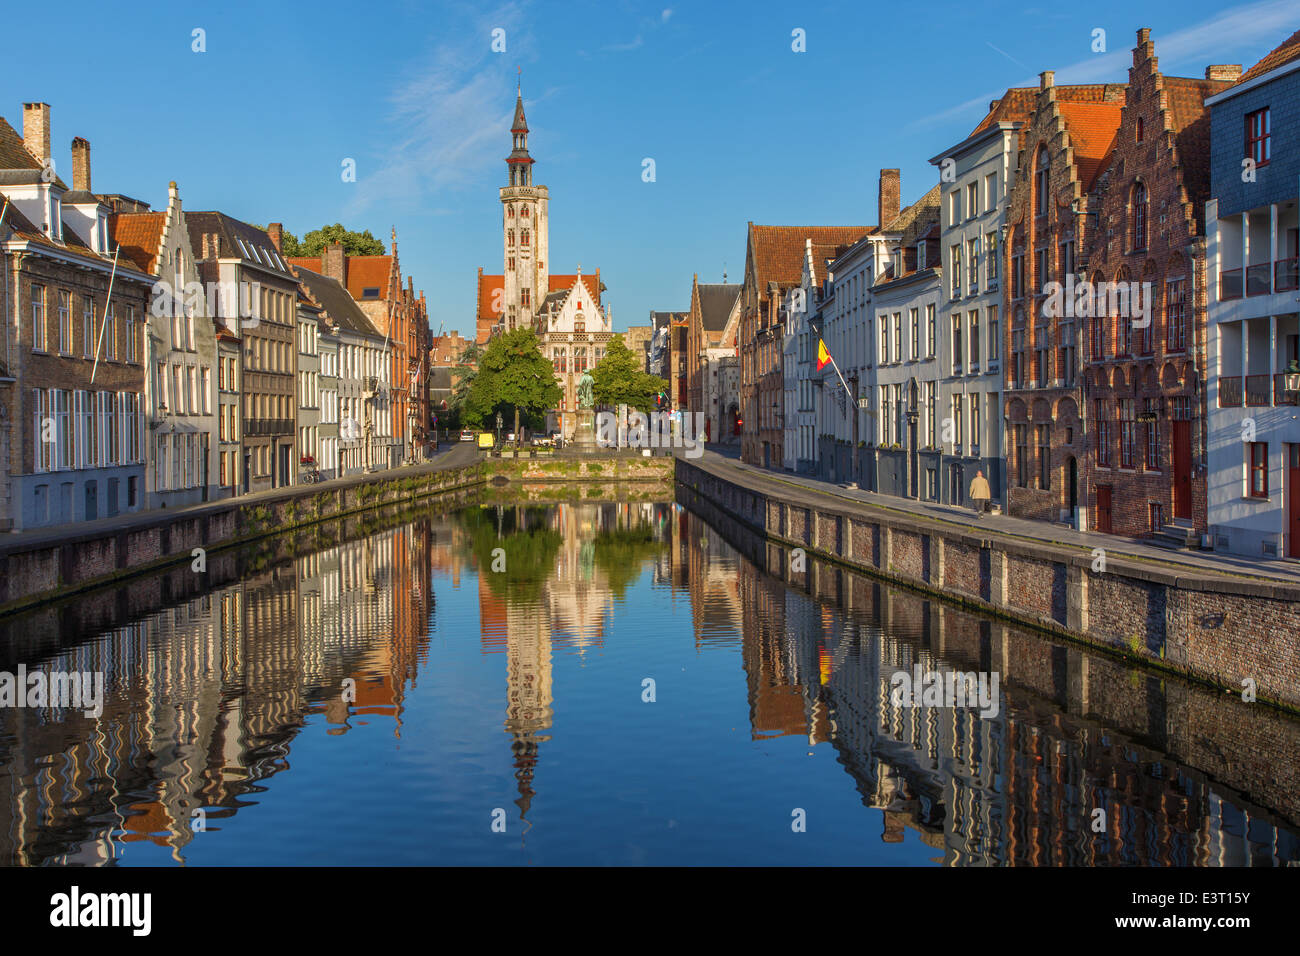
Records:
x=1193, y=617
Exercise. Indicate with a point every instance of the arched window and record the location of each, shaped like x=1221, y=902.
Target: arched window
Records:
x=510, y=237
x=523, y=238
x=1139, y=216
x=524, y=212
x=1041, y=182
x=1139, y=129
x=510, y=212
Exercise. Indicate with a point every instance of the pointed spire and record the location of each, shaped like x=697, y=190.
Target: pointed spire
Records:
x=520, y=124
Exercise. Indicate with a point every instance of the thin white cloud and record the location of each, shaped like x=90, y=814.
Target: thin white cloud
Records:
x=449, y=118
x=1252, y=29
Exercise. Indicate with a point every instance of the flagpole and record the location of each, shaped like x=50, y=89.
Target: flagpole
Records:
x=852, y=398
x=107, y=303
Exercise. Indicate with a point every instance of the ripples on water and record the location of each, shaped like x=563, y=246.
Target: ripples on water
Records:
x=516, y=699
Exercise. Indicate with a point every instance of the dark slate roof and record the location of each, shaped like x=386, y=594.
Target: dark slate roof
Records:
x=340, y=307
x=229, y=230
x=440, y=378
x=716, y=303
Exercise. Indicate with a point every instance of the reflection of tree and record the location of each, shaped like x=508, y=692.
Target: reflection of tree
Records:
x=529, y=543
x=621, y=552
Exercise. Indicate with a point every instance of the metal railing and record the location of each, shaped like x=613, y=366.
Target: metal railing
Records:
x=1230, y=391
x=1258, y=390
x=1286, y=275
x=1280, y=395
x=1257, y=277
x=1229, y=284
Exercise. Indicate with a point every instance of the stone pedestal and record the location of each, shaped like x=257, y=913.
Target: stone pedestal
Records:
x=584, y=435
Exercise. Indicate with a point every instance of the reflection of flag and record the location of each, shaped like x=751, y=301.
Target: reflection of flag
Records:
x=823, y=355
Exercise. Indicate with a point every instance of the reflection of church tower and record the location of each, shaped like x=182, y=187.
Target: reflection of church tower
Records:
x=523, y=230
x=528, y=710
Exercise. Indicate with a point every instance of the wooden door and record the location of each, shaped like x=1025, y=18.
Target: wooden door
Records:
x=1182, y=469
x=1103, y=508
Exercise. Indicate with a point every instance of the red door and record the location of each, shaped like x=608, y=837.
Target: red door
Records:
x=1293, y=493
x=1103, y=508
x=1182, y=469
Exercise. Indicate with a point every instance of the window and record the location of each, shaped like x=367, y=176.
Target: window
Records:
x=1103, y=434
x=955, y=258
x=1152, y=462
x=898, y=336
x=1043, y=273
x=956, y=344
x=1022, y=455
x=1127, y=433
x=1043, y=356
x=1097, y=338
x=884, y=338
x=990, y=190
x=914, y=343
x=110, y=333
x=1176, y=315
x=1139, y=213
x=1018, y=358
x=995, y=336
x=65, y=322
x=1066, y=257
x=1041, y=182
x=523, y=237
x=1017, y=276
x=132, y=344
x=1258, y=463
x=1045, y=457
x=1258, y=131
x=991, y=259
x=885, y=409
x=1124, y=328
x=88, y=327
x=958, y=439
x=38, y=318
x=1138, y=131
x=954, y=206
x=972, y=263
x=42, y=450
x=932, y=413
x=930, y=330
x=975, y=423
x=974, y=319
x=972, y=201
x=1066, y=339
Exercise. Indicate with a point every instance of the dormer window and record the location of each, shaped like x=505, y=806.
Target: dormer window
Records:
x=103, y=234
x=54, y=228
x=920, y=256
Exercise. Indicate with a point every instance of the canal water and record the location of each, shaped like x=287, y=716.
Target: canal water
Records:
x=604, y=683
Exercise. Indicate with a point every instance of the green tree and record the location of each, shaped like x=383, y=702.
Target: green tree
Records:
x=354, y=243
x=619, y=379
x=513, y=376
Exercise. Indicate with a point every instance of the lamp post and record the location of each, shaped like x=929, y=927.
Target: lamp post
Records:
x=498, y=428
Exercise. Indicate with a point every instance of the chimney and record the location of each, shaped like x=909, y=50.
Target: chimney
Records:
x=276, y=231
x=1046, y=79
x=889, y=198
x=1231, y=72
x=81, y=165
x=334, y=263
x=36, y=130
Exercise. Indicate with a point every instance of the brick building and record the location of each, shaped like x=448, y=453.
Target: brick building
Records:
x=1144, y=381
x=1064, y=146
x=71, y=369
x=712, y=379
x=258, y=302
x=774, y=259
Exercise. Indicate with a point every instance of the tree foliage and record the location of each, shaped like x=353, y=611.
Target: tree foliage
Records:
x=619, y=379
x=354, y=243
x=512, y=375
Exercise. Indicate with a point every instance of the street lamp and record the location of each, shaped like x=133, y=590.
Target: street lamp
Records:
x=498, y=428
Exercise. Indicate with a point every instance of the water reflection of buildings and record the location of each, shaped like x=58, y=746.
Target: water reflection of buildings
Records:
x=569, y=611
x=1015, y=789
x=204, y=698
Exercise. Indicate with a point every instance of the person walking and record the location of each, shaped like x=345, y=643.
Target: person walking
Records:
x=979, y=493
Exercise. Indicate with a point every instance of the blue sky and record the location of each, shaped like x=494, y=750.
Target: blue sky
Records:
x=740, y=127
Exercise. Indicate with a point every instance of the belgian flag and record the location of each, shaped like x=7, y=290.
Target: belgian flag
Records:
x=823, y=354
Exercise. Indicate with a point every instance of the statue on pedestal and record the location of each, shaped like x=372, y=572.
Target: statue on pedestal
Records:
x=584, y=436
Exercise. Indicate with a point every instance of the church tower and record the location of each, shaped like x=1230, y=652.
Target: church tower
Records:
x=524, y=233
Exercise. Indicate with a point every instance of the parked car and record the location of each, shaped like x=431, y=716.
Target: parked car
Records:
x=466, y=435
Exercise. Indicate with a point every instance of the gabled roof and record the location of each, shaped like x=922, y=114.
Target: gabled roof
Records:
x=1093, y=128
x=25, y=230
x=778, y=251
x=14, y=153
x=364, y=272
x=237, y=238
x=339, y=306
x=1288, y=51
x=1017, y=103
x=716, y=305
x=139, y=236
x=489, y=285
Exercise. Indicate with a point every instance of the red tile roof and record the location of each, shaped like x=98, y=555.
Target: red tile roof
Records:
x=488, y=286
x=364, y=272
x=778, y=251
x=1092, y=128
x=1288, y=51
x=138, y=234
x=1017, y=103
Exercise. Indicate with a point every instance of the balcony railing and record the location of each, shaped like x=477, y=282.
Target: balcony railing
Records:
x=1254, y=279
x=1258, y=390
x=1229, y=284
x=268, y=426
x=1257, y=278
x=1230, y=391
x=1286, y=275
